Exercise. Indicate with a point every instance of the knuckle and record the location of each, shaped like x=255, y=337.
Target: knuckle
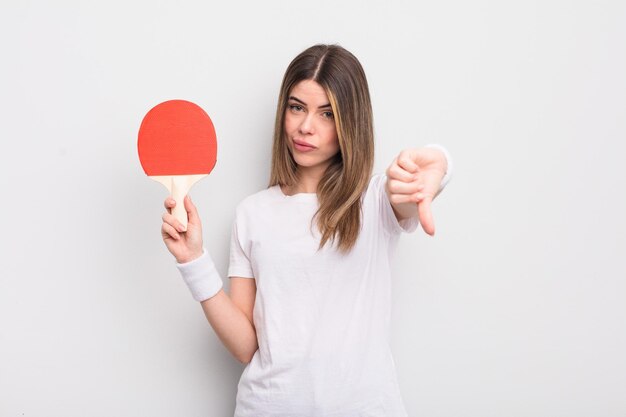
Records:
x=395, y=185
x=415, y=187
x=396, y=171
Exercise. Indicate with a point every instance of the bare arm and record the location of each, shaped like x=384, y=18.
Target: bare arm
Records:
x=231, y=318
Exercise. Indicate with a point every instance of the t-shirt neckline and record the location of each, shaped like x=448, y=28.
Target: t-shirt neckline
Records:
x=295, y=197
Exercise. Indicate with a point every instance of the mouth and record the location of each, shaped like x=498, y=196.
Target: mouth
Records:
x=303, y=146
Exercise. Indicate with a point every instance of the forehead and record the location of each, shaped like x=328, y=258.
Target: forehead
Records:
x=311, y=92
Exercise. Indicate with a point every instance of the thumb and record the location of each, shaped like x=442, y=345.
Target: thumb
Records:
x=426, y=216
x=192, y=212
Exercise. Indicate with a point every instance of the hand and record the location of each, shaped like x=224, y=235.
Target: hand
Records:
x=185, y=246
x=414, y=177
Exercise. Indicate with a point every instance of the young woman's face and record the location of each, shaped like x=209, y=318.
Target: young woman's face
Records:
x=310, y=126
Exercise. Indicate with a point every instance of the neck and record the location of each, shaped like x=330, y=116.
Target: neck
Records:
x=308, y=179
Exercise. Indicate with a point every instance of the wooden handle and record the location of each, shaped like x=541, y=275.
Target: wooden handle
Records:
x=179, y=186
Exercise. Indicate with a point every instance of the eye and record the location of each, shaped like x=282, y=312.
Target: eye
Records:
x=328, y=114
x=295, y=107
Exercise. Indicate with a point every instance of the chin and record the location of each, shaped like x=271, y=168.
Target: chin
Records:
x=306, y=162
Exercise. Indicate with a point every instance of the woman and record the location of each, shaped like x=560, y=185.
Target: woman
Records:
x=309, y=305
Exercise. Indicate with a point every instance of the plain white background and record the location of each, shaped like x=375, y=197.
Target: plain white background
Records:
x=515, y=308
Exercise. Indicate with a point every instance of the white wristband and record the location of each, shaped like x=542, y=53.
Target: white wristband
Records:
x=201, y=276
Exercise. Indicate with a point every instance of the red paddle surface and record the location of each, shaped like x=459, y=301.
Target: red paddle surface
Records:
x=177, y=137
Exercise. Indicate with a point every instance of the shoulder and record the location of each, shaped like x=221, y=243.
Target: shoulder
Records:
x=375, y=195
x=376, y=186
x=378, y=178
x=256, y=202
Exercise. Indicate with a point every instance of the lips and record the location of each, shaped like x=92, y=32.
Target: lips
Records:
x=303, y=143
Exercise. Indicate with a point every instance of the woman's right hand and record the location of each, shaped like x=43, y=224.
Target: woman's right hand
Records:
x=185, y=246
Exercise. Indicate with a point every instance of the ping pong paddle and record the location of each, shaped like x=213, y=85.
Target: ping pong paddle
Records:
x=177, y=147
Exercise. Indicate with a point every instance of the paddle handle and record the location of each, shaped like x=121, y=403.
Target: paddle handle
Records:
x=179, y=186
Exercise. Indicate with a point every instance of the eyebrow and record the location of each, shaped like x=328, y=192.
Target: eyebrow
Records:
x=302, y=102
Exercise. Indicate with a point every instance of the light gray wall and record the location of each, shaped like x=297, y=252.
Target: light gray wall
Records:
x=515, y=308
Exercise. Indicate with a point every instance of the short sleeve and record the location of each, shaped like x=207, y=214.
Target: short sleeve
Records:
x=389, y=220
x=240, y=265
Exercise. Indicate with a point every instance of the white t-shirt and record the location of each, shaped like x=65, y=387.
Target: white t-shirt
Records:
x=322, y=318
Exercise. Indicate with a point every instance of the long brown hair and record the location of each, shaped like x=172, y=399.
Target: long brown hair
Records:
x=340, y=189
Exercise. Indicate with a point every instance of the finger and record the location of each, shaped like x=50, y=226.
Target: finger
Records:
x=398, y=173
x=172, y=221
x=400, y=187
x=192, y=211
x=168, y=230
x=169, y=203
x=425, y=216
x=406, y=198
x=405, y=162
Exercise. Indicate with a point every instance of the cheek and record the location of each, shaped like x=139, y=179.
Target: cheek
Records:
x=288, y=123
x=331, y=134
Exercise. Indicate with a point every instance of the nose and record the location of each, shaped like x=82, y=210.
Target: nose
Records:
x=306, y=126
